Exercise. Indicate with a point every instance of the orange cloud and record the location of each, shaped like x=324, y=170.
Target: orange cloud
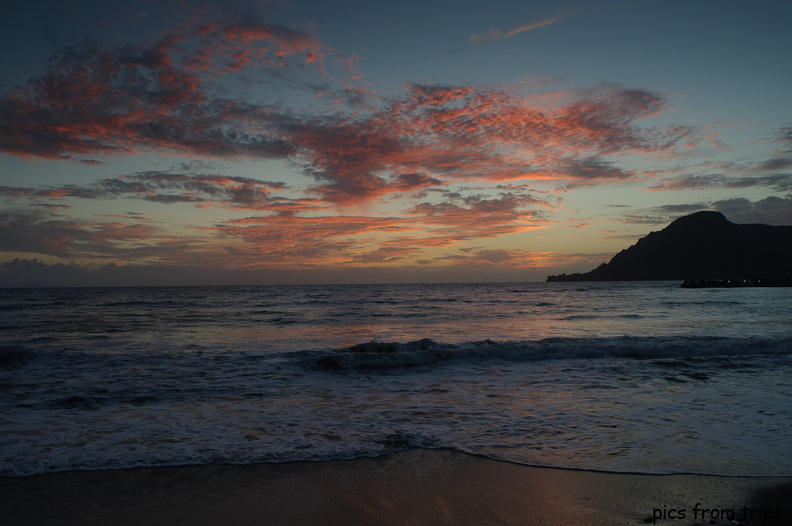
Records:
x=293, y=239
x=158, y=97
x=479, y=133
x=509, y=258
x=287, y=236
x=118, y=101
x=285, y=240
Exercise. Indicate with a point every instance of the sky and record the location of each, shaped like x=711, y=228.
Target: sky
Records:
x=256, y=142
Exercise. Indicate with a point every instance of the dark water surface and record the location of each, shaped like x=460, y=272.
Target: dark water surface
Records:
x=644, y=377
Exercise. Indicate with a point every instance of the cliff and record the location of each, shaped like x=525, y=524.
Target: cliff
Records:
x=704, y=245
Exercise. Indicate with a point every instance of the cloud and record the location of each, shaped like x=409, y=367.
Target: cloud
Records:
x=32, y=272
x=300, y=240
x=595, y=168
x=508, y=259
x=164, y=97
x=287, y=240
x=779, y=182
x=44, y=233
x=477, y=217
x=643, y=219
x=771, y=210
x=495, y=256
x=99, y=100
x=529, y=27
x=784, y=137
x=497, y=34
x=290, y=234
x=683, y=208
x=449, y=133
x=168, y=188
x=779, y=163
x=296, y=240
x=763, y=170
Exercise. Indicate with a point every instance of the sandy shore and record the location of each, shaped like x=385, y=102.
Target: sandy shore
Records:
x=418, y=487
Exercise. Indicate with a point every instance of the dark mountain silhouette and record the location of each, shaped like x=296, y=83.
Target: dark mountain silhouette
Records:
x=701, y=246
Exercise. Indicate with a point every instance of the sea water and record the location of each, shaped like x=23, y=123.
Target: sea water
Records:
x=620, y=376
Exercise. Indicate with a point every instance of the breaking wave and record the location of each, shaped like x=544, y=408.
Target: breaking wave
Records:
x=425, y=352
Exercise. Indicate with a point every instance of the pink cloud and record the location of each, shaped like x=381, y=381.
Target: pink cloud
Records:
x=158, y=98
x=426, y=138
x=529, y=27
x=497, y=34
x=479, y=133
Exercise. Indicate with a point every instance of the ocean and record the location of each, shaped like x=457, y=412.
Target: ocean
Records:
x=643, y=377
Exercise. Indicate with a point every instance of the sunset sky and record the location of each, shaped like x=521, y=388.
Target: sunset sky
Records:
x=189, y=142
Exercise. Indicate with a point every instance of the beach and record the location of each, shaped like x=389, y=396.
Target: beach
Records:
x=415, y=487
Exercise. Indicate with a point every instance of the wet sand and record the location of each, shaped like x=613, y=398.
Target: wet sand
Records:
x=417, y=487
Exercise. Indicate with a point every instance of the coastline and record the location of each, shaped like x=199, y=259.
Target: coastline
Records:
x=416, y=487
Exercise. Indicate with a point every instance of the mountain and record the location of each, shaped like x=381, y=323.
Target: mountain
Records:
x=704, y=245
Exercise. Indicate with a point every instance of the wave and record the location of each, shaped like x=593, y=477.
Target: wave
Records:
x=15, y=356
x=145, y=303
x=154, y=403
x=425, y=352
x=574, y=317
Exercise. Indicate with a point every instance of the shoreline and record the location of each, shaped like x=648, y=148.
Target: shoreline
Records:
x=415, y=487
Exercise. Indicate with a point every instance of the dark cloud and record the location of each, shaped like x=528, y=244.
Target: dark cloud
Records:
x=173, y=198
x=162, y=187
x=494, y=256
x=43, y=233
x=662, y=215
x=784, y=136
x=683, y=208
x=644, y=219
x=14, y=191
x=779, y=163
x=595, y=168
x=778, y=182
x=771, y=210
x=23, y=273
x=33, y=272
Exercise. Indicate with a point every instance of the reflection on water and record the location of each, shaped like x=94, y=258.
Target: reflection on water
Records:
x=535, y=372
